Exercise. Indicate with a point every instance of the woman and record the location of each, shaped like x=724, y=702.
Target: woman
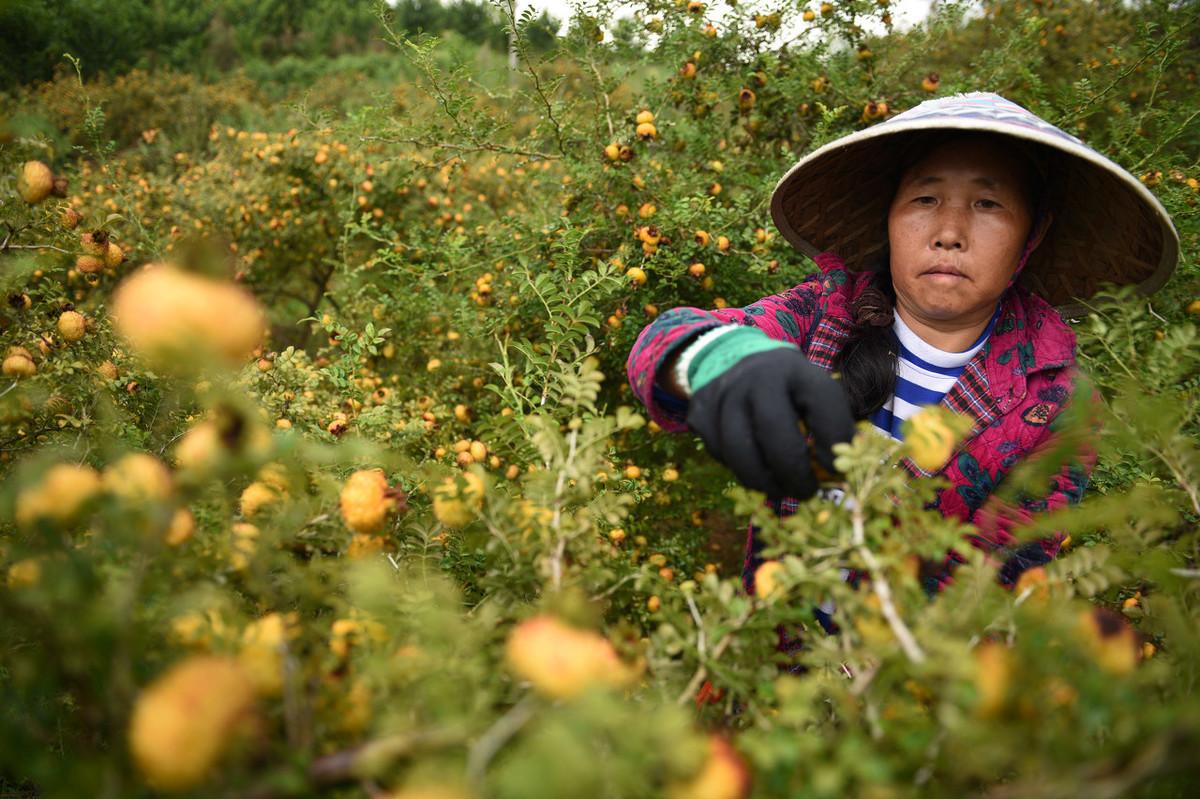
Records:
x=922, y=227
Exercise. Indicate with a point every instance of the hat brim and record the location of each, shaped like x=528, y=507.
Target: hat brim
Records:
x=1108, y=228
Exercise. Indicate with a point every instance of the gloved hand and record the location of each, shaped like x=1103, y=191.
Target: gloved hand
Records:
x=748, y=417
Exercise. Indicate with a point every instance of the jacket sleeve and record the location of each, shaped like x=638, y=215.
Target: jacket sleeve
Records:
x=787, y=317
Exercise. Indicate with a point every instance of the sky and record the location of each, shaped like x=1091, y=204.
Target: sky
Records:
x=905, y=13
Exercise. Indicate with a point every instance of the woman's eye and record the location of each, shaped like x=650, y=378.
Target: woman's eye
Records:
x=989, y=203
x=925, y=200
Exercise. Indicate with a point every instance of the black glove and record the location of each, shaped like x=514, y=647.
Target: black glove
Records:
x=748, y=419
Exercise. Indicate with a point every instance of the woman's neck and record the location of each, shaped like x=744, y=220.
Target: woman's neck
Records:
x=949, y=336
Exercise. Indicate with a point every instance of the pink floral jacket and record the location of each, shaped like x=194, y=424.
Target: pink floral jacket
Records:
x=1013, y=389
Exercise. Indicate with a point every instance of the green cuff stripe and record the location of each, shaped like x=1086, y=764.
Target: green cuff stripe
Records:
x=722, y=353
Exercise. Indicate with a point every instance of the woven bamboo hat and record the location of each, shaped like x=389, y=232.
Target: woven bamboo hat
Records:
x=1107, y=226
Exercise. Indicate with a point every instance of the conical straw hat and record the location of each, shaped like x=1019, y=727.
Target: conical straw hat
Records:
x=1107, y=227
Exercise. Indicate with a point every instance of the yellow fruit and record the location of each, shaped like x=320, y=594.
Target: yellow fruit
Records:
x=826, y=9
x=1035, y=581
x=930, y=82
x=644, y=116
x=993, y=674
x=35, y=183
x=366, y=500
x=261, y=654
x=354, y=631
x=809, y=15
x=108, y=370
x=171, y=316
x=637, y=275
x=199, y=629
x=89, y=264
x=562, y=661
x=723, y=775
x=633, y=472
x=670, y=475
x=257, y=497
x=244, y=543
x=616, y=535
x=71, y=325
x=456, y=508
x=653, y=604
x=59, y=495
x=1110, y=639
x=114, y=256
x=183, y=525
x=18, y=366
x=1194, y=308
x=931, y=437
x=185, y=721
x=612, y=152
x=24, y=573
x=766, y=580
x=138, y=478
x=646, y=130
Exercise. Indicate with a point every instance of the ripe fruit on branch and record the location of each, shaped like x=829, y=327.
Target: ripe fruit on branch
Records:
x=19, y=365
x=746, y=99
x=171, y=316
x=930, y=82
x=257, y=497
x=646, y=131
x=366, y=500
x=94, y=242
x=562, y=661
x=71, y=325
x=35, y=183
x=644, y=116
x=185, y=721
x=1110, y=639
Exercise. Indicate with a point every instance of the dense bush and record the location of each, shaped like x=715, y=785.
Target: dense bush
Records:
x=359, y=501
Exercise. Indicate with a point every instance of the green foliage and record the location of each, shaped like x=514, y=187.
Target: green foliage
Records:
x=445, y=257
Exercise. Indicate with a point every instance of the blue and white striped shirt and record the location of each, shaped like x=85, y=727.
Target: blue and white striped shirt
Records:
x=923, y=375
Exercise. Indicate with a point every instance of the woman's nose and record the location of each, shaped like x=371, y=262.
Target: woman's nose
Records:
x=950, y=231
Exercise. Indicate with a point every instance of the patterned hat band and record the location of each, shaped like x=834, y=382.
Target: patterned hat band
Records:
x=1107, y=226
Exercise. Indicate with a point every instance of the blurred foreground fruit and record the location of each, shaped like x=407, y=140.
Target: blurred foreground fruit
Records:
x=562, y=661
x=723, y=776
x=171, y=316
x=61, y=492
x=455, y=507
x=366, y=500
x=188, y=718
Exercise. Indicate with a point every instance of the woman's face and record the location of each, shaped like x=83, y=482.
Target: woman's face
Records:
x=957, y=227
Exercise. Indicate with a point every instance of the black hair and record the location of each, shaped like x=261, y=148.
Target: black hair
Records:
x=867, y=362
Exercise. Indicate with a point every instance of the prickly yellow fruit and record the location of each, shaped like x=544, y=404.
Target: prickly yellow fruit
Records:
x=59, y=495
x=723, y=776
x=114, y=256
x=562, y=661
x=171, y=316
x=188, y=718
x=637, y=275
x=71, y=325
x=455, y=507
x=35, y=183
x=366, y=500
x=644, y=116
x=646, y=130
x=138, y=478
x=17, y=365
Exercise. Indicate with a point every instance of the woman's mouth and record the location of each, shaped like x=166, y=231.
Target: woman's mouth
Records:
x=945, y=272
